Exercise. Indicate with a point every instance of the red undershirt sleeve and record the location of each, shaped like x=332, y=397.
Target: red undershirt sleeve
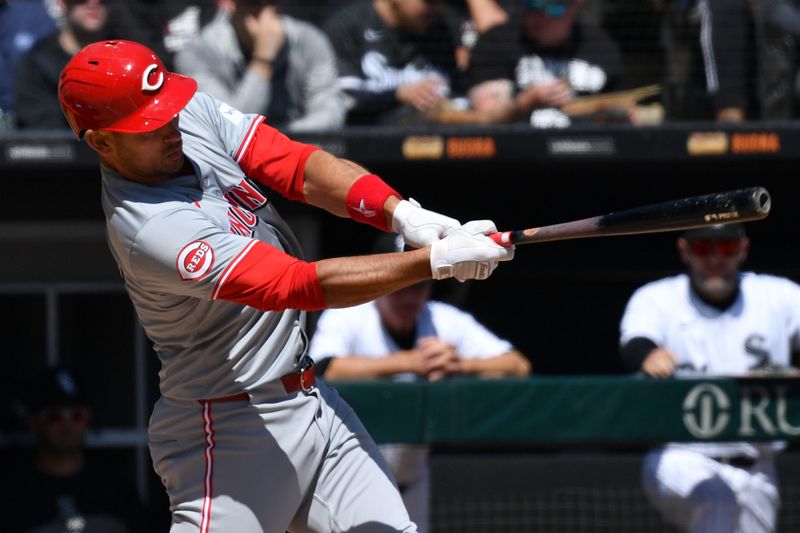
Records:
x=263, y=277
x=272, y=159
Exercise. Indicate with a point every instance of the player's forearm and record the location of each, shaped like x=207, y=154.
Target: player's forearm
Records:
x=348, y=281
x=508, y=364
x=328, y=180
x=360, y=367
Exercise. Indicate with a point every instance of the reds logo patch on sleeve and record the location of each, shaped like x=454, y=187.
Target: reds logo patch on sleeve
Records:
x=195, y=260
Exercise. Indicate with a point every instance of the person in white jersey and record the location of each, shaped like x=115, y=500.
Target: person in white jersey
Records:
x=713, y=320
x=406, y=336
x=242, y=437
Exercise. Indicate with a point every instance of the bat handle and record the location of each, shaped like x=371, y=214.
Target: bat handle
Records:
x=503, y=238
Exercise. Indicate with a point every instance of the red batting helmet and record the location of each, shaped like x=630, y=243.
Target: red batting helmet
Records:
x=121, y=86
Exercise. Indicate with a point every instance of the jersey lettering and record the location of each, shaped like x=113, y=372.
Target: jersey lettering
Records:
x=754, y=345
x=241, y=222
x=246, y=195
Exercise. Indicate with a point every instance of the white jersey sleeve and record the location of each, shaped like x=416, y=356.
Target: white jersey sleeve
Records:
x=643, y=313
x=336, y=332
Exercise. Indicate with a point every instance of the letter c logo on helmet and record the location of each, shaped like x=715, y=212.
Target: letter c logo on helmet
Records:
x=146, y=85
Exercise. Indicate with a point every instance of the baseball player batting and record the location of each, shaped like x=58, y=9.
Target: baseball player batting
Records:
x=243, y=437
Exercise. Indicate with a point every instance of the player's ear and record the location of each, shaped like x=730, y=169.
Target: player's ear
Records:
x=99, y=141
x=683, y=249
x=745, y=250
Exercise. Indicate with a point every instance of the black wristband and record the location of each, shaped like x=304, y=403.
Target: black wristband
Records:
x=635, y=351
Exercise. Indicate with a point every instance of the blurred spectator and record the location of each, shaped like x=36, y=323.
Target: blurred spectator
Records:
x=406, y=336
x=705, y=44
x=166, y=27
x=262, y=62
x=36, y=84
x=713, y=321
x=64, y=490
x=528, y=68
x=396, y=59
x=22, y=23
x=778, y=25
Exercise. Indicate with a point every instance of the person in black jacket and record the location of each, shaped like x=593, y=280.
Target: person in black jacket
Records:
x=708, y=70
x=36, y=84
x=396, y=58
x=526, y=69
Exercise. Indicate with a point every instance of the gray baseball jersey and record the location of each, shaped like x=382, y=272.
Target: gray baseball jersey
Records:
x=235, y=449
x=174, y=244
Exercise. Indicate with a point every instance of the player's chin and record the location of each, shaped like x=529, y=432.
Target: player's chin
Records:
x=173, y=161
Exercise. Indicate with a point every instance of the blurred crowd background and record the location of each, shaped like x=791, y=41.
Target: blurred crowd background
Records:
x=550, y=63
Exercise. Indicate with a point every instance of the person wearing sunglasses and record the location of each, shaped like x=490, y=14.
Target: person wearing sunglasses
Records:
x=713, y=320
x=543, y=58
x=65, y=488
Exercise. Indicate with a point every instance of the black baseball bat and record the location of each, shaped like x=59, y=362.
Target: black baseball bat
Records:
x=742, y=205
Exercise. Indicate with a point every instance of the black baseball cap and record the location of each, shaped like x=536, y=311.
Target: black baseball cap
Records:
x=53, y=387
x=717, y=232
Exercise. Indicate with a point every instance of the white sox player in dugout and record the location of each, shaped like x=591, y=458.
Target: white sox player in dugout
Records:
x=243, y=437
x=713, y=320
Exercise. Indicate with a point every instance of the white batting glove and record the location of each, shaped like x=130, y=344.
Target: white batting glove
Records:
x=421, y=227
x=467, y=253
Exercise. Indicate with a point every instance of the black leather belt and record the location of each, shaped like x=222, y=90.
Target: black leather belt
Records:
x=739, y=461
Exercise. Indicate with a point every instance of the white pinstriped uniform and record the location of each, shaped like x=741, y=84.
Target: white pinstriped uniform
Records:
x=761, y=327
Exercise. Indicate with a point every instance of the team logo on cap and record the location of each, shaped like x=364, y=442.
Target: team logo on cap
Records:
x=195, y=260
x=148, y=73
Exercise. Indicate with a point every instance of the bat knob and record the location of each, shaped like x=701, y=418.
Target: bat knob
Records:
x=503, y=238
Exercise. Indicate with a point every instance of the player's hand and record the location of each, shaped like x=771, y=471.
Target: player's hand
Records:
x=267, y=32
x=659, y=363
x=421, y=227
x=440, y=357
x=423, y=95
x=467, y=253
x=547, y=94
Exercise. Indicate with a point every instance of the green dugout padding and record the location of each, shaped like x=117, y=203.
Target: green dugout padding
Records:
x=577, y=410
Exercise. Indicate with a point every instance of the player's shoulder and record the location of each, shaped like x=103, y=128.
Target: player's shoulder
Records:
x=200, y=103
x=348, y=315
x=767, y=282
x=442, y=310
x=311, y=41
x=352, y=15
x=664, y=285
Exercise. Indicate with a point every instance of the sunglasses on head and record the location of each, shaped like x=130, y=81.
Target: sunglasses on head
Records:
x=724, y=248
x=551, y=8
x=59, y=415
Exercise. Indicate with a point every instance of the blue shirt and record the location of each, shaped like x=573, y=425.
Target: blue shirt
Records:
x=22, y=23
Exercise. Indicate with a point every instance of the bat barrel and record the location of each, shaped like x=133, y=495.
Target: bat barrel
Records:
x=741, y=205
